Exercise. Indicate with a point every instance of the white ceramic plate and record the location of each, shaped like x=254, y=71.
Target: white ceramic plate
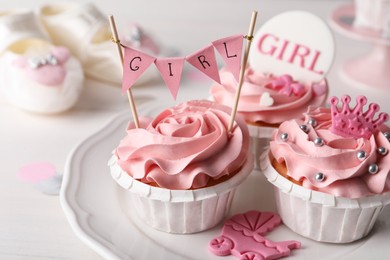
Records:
x=95, y=208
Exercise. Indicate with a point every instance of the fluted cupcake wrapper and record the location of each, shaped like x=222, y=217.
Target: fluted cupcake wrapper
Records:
x=260, y=137
x=321, y=216
x=180, y=211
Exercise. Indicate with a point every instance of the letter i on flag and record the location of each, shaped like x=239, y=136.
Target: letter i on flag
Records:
x=134, y=64
x=204, y=60
x=230, y=49
x=170, y=70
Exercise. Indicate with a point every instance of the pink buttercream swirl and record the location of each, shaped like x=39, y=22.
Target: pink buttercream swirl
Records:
x=345, y=174
x=290, y=97
x=185, y=146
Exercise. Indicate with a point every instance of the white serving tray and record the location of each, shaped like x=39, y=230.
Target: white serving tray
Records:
x=95, y=208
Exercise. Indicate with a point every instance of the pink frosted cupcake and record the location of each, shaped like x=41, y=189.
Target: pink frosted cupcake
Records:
x=331, y=171
x=182, y=165
x=267, y=100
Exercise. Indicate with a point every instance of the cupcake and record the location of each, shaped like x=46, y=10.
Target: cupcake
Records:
x=267, y=100
x=182, y=167
x=331, y=171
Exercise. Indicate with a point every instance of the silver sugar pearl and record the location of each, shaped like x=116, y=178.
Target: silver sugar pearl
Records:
x=318, y=141
x=51, y=59
x=284, y=136
x=304, y=128
x=43, y=61
x=319, y=177
x=382, y=150
x=312, y=122
x=373, y=168
x=361, y=155
x=387, y=135
x=34, y=62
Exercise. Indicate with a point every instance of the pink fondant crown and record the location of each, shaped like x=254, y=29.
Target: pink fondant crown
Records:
x=355, y=122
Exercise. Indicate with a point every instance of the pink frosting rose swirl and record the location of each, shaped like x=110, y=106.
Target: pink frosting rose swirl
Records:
x=185, y=146
x=324, y=161
x=267, y=98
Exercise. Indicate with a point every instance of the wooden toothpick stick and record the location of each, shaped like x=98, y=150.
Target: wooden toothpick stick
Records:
x=242, y=72
x=119, y=48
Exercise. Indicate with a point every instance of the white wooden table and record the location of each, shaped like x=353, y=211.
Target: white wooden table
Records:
x=33, y=225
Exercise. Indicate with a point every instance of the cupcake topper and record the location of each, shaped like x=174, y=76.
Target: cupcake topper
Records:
x=119, y=48
x=243, y=66
x=136, y=62
x=355, y=122
x=296, y=43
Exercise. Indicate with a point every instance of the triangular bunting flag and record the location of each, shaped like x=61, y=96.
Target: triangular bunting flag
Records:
x=134, y=64
x=170, y=70
x=230, y=49
x=204, y=60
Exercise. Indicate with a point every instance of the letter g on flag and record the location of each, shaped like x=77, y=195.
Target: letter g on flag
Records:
x=134, y=65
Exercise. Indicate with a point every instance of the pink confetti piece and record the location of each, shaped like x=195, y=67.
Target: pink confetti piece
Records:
x=51, y=186
x=36, y=172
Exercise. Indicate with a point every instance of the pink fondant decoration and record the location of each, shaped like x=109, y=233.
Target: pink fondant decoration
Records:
x=287, y=86
x=135, y=63
x=230, y=49
x=204, y=60
x=170, y=70
x=36, y=172
x=47, y=74
x=52, y=75
x=306, y=53
x=355, y=122
x=242, y=236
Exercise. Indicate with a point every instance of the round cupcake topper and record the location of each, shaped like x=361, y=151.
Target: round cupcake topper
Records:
x=296, y=43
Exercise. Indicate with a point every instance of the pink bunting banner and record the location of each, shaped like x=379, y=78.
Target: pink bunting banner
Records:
x=171, y=70
x=230, y=49
x=204, y=60
x=134, y=64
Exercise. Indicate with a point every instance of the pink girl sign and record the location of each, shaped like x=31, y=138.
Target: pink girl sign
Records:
x=297, y=43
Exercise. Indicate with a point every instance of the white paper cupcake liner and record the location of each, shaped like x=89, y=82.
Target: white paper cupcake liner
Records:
x=320, y=216
x=261, y=131
x=260, y=137
x=180, y=211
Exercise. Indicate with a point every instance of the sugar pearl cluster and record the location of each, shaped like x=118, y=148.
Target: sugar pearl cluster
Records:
x=37, y=62
x=360, y=155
